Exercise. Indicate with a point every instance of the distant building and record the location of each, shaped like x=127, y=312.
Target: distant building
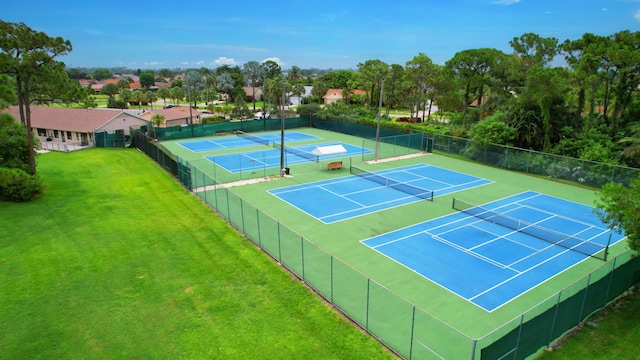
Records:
x=75, y=128
x=175, y=116
x=334, y=95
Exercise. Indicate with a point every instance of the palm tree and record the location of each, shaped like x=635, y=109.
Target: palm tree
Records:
x=225, y=84
x=150, y=97
x=164, y=93
x=137, y=96
x=157, y=120
x=298, y=90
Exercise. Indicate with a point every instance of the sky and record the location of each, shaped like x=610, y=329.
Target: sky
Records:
x=144, y=34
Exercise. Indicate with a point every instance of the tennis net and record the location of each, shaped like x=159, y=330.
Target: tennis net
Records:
x=395, y=184
x=300, y=153
x=253, y=138
x=582, y=246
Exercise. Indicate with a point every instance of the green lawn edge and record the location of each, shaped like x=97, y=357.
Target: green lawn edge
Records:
x=117, y=260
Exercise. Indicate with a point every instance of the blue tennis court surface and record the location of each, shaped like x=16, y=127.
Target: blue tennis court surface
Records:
x=353, y=196
x=231, y=142
x=247, y=161
x=491, y=264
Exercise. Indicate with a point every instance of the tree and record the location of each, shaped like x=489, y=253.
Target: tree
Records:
x=373, y=73
x=123, y=84
x=177, y=94
x=164, y=93
x=546, y=85
x=271, y=69
x=157, y=120
x=298, y=90
x=8, y=94
x=137, y=97
x=420, y=73
x=394, y=91
x=534, y=49
x=77, y=74
x=14, y=145
x=225, y=84
x=25, y=55
x=193, y=83
x=471, y=67
x=492, y=130
x=319, y=89
x=294, y=74
x=632, y=141
x=102, y=74
x=254, y=73
x=110, y=89
x=619, y=207
x=125, y=96
x=147, y=79
x=150, y=97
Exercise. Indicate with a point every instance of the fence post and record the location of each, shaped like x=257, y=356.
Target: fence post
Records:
x=555, y=317
x=366, y=320
x=515, y=353
x=331, y=278
x=473, y=349
x=279, y=250
x=584, y=299
x=613, y=268
x=413, y=326
x=241, y=214
x=302, y=257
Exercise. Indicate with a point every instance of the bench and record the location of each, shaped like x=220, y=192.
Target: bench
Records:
x=220, y=133
x=336, y=165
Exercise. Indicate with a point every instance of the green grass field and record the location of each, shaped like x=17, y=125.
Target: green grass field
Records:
x=614, y=334
x=342, y=240
x=117, y=261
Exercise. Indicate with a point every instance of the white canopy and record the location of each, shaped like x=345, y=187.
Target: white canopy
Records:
x=329, y=150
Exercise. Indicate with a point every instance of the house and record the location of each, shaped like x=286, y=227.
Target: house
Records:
x=175, y=116
x=249, y=91
x=76, y=128
x=297, y=100
x=334, y=95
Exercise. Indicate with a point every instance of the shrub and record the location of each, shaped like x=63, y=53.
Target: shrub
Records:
x=18, y=186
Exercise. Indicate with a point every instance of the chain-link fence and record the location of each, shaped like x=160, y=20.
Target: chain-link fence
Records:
x=198, y=130
x=113, y=140
x=404, y=327
x=583, y=172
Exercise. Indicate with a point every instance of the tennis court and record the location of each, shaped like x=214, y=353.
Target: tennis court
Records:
x=262, y=159
x=243, y=140
x=367, y=192
x=490, y=255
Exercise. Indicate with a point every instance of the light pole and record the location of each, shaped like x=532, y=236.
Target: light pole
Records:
x=282, y=167
x=378, y=128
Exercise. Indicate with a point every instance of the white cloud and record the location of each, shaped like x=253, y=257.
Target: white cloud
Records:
x=223, y=61
x=275, y=60
x=200, y=63
x=506, y=2
x=153, y=63
x=637, y=15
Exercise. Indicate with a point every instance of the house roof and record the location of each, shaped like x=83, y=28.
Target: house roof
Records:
x=338, y=93
x=178, y=112
x=67, y=119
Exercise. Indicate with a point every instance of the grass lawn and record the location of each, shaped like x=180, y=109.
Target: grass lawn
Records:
x=614, y=334
x=118, y=261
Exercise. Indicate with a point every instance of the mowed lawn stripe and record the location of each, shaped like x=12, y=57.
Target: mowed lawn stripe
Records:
x=117, y=260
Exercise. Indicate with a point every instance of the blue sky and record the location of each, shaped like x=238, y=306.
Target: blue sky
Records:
x=143, y=34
